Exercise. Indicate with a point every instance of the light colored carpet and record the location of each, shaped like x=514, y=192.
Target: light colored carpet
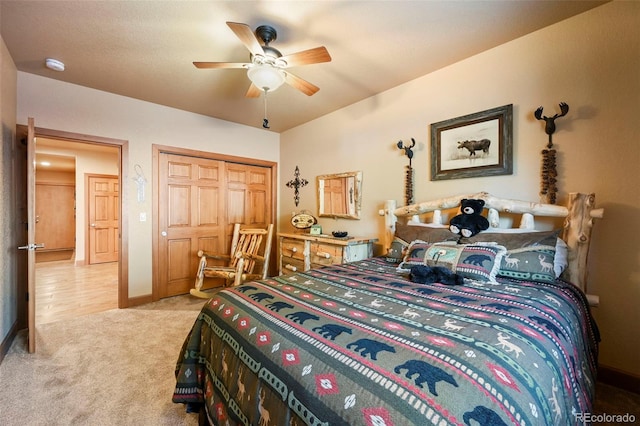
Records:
x=111, y=368
x=116, y=368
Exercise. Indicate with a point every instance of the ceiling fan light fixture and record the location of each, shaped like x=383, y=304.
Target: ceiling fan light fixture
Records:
x=266, y=77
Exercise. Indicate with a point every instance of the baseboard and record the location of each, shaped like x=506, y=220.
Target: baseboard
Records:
x=54, y=255
x=618, y=378
x=140, y=300
x=8, y=340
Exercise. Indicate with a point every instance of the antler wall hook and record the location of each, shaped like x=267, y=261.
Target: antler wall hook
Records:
x=550, y=122
x=409, y=174
x=549, y=173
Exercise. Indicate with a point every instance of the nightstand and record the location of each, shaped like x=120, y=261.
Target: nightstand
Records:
x=301, y=252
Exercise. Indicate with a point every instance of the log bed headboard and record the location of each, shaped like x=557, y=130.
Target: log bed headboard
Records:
x=578, y=220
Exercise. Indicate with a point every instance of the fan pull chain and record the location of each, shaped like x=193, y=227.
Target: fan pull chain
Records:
x=265, y=121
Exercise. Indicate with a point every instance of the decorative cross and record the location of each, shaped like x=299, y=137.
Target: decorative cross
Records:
x=296, y=183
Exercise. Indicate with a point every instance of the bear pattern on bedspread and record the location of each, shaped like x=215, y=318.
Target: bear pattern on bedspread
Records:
x=360, y=344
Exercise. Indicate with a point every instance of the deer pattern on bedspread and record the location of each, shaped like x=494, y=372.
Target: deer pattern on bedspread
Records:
x=359, y=344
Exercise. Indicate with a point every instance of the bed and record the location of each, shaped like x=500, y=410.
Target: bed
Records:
x=362, y=344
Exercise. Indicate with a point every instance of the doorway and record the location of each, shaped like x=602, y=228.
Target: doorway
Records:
x=67, y=286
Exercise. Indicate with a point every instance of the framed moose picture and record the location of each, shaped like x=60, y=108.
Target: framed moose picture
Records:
x=472, y=145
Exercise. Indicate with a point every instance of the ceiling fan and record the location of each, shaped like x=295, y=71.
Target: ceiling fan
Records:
x=268, y=68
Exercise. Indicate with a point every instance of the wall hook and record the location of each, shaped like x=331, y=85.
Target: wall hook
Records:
x=549, y=173
x=408, y=189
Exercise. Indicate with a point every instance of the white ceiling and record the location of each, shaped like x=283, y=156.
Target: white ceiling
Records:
x=145, y=49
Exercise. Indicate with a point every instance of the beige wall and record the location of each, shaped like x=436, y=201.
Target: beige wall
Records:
x=592, y=62
x=8, y=288
x=67, y=107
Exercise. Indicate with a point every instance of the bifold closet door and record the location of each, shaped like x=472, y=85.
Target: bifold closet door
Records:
x=190, y=217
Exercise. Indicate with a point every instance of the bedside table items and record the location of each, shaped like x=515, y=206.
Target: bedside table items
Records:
x=303, y=220
x=315, y=230
x=340, y=234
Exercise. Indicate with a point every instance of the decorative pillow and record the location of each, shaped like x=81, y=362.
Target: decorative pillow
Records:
x=397, y=250
x=515, y=241
x=533, y=263
x=478, y=261
x=561, y=259
x=424, y=233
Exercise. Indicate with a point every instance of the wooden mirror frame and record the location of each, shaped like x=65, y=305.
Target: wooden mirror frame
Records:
x=352, y=211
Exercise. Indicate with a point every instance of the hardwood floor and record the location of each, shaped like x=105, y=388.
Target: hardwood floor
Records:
x=65, y=291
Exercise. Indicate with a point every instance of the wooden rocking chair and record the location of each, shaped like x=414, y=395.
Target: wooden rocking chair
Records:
x=249, y=247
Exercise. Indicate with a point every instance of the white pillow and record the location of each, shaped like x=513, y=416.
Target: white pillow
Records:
x=561, y=259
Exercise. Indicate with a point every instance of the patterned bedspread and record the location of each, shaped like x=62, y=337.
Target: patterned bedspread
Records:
x=359, y=344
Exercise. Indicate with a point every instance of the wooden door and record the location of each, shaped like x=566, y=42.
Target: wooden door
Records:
x=21, y=224
x=56, y=216
x=31, y=245
x=248, y=195
x=103, y=211
x=250, y=199
x=191, y=209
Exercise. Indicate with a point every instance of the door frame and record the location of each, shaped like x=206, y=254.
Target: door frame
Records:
x=157, y=149
x=123, y=161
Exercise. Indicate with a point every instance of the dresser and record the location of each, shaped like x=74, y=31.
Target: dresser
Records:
x=301, y=252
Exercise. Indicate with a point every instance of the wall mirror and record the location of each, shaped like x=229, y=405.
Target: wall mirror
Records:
x=339, y=195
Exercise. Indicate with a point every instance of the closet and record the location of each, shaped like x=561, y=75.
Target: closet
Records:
x=199, y=199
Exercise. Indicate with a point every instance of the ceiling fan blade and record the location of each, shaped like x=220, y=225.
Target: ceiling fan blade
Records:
x=247, y=37
x=306, y=57
x=253, y=92
x=300, y=84
x=219, y=65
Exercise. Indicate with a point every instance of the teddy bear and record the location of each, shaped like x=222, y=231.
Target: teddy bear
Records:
x=424, y=274
x=470, y=221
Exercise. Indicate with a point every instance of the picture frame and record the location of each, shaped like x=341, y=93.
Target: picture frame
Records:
x=315, y=230
x=459, y=147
